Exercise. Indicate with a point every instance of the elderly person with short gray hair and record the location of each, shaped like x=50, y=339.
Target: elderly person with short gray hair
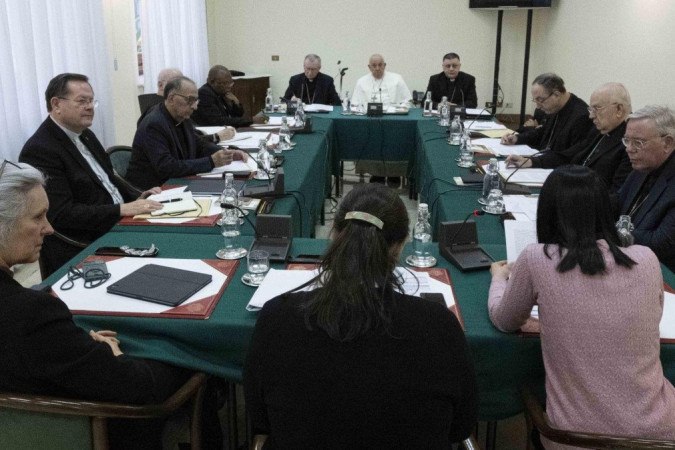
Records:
x=44, y=352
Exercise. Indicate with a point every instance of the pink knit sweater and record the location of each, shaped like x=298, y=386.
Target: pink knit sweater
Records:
x=599, y=339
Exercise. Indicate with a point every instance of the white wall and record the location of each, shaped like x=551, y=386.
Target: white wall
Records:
x=586, y=42
x=121, y=40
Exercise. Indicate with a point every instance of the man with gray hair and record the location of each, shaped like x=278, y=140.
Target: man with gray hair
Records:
x=166, y=145
x=602, y=149
x=648, y=195
x=567, y=121
x=312, y=86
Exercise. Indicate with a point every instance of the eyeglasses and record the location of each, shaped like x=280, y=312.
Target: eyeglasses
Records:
x=189, y=99
x=597, y=109
x=5, y=162
x=638, y=144
x=83, y=102
x=542, y=100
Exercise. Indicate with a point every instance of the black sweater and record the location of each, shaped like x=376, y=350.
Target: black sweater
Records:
x=414, y=390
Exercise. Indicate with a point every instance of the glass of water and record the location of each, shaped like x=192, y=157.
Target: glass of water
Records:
x=258, y=265
x=495, y=202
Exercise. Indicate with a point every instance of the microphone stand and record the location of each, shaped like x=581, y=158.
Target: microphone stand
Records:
x=471, y=256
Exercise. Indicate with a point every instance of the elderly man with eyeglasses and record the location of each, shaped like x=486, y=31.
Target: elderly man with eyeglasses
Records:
x=165, y=145
x=602, y=149
x=567, y=117
x=648, y=195
x=85, y=197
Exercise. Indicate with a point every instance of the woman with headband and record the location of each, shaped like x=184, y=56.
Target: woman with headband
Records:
x=355, y=363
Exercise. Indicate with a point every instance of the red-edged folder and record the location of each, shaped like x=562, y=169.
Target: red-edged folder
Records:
x=199, y=309
x=436, y=273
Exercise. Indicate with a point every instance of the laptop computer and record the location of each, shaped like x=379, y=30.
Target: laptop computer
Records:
x=160, y=284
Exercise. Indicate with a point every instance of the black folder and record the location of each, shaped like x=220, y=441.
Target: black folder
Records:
x=160, y=284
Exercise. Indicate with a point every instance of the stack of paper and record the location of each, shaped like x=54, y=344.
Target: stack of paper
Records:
x=248, y=139
x=483, y=125
x=495, y=147
x=523, y=207
x=529, y=176
x=519, y=234
x=278, y=282
x=234, y=167
x=318, y=107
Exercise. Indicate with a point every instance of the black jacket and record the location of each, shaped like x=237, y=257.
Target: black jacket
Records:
x=79, y=205
x=323, y=89
x=461, y=92
x=609, y=159
x=213, y=109
x=158, y=153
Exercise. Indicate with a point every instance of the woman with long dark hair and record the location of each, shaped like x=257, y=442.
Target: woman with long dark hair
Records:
x=355, y=363
x=599, y=311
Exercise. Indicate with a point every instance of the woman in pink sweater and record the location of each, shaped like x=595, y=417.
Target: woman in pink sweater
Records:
x=599, y=311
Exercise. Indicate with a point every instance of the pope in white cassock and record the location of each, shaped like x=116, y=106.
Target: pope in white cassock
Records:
x=380, y=86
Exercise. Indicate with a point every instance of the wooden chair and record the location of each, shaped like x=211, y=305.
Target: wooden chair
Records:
x=259, y=440
x=536, y=417
x=39, y=422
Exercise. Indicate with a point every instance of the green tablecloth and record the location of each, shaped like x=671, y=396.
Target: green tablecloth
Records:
x=218, y=345
x=307, y=176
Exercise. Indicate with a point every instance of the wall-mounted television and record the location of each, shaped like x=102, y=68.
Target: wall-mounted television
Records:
x=509, y=4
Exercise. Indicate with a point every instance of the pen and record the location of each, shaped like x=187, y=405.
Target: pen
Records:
x=171, y=200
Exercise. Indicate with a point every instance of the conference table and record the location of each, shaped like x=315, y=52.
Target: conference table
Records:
x=218, y=345
x=307, y=170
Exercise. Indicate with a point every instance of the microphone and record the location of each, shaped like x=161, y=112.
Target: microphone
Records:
x=380, y=94
x=520, y=166
x=466, y=255
x=462, y=92
x=476, y=118
x=475, y=213
x=342, y=72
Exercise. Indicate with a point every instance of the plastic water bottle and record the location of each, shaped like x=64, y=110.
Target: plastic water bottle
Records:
x=229, y=195
x=421, y=256
x=284, y=137
x=269, y=101
x=229, y=222
x=428, y=105
x=465, y=154
x=444, y=112
x=346, y=104
x=455, y=131
x=264, y=171
x=491, y=180
x=624, y=228
x=300, y=116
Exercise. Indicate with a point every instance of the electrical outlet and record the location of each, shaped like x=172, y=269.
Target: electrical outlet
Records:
x=499, y=104
x=275, y=57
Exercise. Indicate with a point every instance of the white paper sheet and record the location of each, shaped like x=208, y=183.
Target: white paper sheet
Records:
x=234, y=166
x=278, y=282
x=667, y=325
x=499, y=149
x=483, y=125
x=318, y=107
x=478, y=111
x=524, y=204
x=97, y=299
x=247, y=139
x=181, y=203
x=167, y=194
x=210, y=130
x=519, y=234
x=529, y=176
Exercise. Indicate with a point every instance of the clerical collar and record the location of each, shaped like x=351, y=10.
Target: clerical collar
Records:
x=70, y=133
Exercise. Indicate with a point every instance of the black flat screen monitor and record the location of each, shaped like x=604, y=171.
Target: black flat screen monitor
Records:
x=509, y=4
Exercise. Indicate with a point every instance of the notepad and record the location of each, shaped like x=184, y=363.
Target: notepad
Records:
x=160, y=284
